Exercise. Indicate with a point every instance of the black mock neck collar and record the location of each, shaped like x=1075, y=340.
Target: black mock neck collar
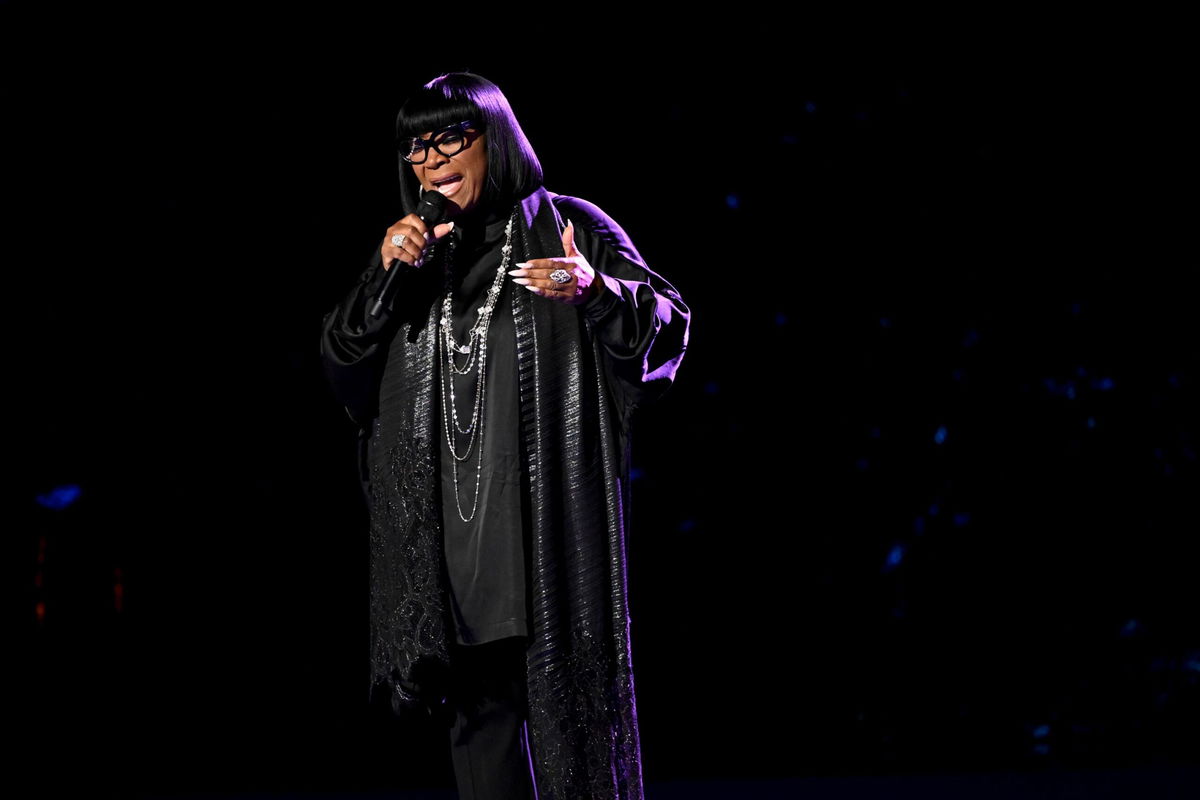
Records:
x=482, y=227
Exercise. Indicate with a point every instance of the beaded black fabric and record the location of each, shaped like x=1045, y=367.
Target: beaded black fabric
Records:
x=408, y=614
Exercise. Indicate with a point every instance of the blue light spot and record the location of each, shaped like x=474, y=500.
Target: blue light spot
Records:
x=1104, y=384
x=958, y=374
x=971, y=339
x=1064, y=389
x=1081, y=372
x=1130, y=628
x=1091, y=422
x=732, y=201
x=636, y=473
x=884, y=322
x=894, y=558
x=862, y=464
x=780, y=318
x=1076, y=308
x=687, y=525
x=59, y=498
x=1041, y=731
x=1192, y=665
x=919, y=526
x=939, y=436
x=962, y=518
x=934, y=509
x=789, y=138
x=810, y=107
x=1041, y=748
x=712, y=387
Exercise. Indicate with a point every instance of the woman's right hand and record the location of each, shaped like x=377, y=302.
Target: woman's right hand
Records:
x=416, y=239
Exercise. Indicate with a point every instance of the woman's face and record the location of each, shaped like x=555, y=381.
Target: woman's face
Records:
x=460, y=177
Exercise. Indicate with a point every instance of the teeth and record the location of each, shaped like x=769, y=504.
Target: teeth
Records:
x=448, y=186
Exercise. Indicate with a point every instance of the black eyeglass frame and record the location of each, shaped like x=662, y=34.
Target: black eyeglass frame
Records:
x=425, y=144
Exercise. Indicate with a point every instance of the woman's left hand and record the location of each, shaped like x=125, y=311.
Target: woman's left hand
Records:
x=582, y=284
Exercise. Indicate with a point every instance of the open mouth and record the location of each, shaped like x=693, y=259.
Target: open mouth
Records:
x=448, y=185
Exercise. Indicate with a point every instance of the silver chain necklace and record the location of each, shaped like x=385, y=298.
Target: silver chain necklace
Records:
x=475, y=350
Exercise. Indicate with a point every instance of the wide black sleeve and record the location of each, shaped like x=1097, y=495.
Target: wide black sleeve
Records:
x=641, y=321
x=352, y=343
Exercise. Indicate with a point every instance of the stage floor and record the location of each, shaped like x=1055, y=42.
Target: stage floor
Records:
x=1146, y=783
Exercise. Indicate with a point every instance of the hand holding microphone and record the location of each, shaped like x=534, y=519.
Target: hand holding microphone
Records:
x=407, y=240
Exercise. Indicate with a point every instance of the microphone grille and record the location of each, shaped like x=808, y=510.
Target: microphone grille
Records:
x=432, y=207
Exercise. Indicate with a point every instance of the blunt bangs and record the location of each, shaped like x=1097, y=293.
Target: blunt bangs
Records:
x=429, y=110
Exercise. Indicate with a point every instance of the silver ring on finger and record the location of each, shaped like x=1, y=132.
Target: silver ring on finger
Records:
x=398, y=239
x=560, y=276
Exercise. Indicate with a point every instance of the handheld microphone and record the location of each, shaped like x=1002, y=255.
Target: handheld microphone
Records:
x=431, y=209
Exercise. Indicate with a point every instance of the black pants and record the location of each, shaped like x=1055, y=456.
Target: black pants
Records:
x=489, y=739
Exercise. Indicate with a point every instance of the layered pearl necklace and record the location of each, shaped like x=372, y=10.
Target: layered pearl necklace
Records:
x=475, y=351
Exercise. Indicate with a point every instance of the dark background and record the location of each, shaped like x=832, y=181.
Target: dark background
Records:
x=920, y=500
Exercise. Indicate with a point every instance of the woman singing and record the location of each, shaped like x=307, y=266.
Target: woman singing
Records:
x=493, y=393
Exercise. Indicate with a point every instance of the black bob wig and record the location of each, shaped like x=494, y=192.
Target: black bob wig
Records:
x=514, y=171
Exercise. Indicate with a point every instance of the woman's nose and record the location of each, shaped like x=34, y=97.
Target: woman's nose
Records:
x=434, y=159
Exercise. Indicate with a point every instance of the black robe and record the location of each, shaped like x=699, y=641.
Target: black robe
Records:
x=582, y=371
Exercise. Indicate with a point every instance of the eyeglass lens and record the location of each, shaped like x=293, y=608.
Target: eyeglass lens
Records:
x=415, y=150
